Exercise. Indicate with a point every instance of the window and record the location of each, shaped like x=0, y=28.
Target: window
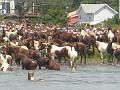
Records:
x=89, y=17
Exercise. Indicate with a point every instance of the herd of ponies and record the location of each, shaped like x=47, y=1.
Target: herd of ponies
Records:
x=30, y=49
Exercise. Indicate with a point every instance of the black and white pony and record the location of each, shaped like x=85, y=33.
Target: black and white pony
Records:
x=110, y=51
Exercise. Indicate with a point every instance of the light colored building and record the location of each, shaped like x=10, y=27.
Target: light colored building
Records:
x=7, y=7
x=95, y=13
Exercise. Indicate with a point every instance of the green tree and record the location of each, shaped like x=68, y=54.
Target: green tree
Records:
x=54, y=11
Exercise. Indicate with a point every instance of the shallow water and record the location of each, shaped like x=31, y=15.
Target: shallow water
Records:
x=87, y=77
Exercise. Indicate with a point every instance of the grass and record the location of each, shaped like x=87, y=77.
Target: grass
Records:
x=116, y=26
x=95, y=58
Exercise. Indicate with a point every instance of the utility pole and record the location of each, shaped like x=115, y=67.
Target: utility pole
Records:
x=33, y=7
x=119, y=9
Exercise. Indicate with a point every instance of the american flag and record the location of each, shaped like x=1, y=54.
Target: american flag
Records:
x=73, y=17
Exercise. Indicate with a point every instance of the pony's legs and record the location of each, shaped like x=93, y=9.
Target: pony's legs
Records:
x=85, y=59
x=59, y=59
x=71, y=63
x=81, y=59
x=101, y=56
x=118, y=61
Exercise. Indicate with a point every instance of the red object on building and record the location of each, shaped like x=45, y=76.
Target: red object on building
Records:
x=73, y=17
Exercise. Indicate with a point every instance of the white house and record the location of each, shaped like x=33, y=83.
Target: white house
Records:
x=95, y=13
x=7, y=7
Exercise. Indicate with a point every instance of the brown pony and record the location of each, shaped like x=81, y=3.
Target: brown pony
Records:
x=27, y=63
x=14, y=50
x=54, y=65
x=62, y=53
x=117, y=35
x=90, y=41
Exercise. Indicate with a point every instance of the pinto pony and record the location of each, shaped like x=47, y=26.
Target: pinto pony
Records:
x=60, y=51
x=110, y=51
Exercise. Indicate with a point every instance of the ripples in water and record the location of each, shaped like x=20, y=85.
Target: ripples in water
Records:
x=87, y=77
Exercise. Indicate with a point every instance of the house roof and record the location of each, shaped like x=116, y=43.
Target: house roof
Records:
x=93, y=8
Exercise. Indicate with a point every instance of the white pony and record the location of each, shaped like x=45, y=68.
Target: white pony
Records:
x=73, y=55
x=101, y=46
x=110, y=35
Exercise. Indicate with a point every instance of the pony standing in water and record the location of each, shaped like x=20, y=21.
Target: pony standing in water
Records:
x=73, y=57
x=101, y=46
x=64, y=51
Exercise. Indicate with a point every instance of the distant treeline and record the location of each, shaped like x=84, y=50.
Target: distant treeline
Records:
x=55, y=11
